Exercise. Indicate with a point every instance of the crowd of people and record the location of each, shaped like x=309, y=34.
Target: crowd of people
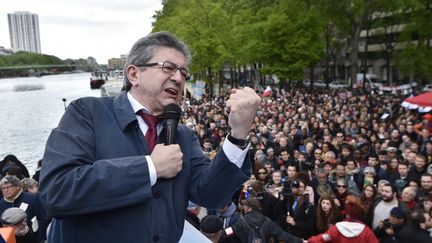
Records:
x=326, y=168
x=20, y=205
x=325, y=162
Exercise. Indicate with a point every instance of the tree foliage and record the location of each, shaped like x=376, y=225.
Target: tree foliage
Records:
x=285, y=37
x=22, y=58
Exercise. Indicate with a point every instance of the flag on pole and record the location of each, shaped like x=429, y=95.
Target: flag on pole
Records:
x=267, y=92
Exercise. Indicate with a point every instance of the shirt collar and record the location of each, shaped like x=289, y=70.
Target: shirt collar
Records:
x=136, y=106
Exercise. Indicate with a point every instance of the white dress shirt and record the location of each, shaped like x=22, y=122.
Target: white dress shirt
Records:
x=234, y=153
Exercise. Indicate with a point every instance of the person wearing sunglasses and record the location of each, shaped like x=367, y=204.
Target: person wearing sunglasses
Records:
x=341, y=192
x=108, y=177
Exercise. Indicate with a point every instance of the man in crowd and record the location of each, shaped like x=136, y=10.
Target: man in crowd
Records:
x=400, y=180
x=388, y=230
x=211, y=227
x=418, y=169
x=14, y=196
x=383, y=206
x=416, y=231
x=425, y=187
x=17, y=219
x=107, y=178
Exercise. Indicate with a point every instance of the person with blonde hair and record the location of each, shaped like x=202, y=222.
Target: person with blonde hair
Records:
x=408, y=196
x=29, y=185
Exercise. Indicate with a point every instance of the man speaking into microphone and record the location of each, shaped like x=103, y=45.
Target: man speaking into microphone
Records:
x=114, y=170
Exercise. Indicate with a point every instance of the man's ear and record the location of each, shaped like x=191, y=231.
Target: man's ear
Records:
x=132, y=74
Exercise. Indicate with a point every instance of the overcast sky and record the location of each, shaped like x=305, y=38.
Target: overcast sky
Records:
x=81, y=28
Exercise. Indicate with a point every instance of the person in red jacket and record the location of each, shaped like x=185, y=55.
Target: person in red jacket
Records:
x=351, y=230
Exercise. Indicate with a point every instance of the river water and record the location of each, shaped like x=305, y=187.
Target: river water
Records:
x=27, y=117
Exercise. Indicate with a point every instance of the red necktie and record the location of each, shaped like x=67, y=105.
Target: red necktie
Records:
x=151, y=135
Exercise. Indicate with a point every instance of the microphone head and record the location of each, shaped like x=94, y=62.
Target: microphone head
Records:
x=172, y=111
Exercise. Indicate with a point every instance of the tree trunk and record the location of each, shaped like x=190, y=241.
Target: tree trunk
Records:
x=354, y=54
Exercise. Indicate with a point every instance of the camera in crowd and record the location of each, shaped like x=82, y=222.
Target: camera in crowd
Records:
x=308, y=165
x=287, y=187
x=252, y=193
x=387, y=224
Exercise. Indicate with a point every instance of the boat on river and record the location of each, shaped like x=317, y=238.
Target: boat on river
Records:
x=98, y=79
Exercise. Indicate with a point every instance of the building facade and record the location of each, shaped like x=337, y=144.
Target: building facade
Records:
x=24, y=32
x=117, y=63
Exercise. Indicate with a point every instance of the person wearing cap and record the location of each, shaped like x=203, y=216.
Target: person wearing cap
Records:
x=388, y=229
x=14, y=196
x=211, y=226
x=253, y=219
x=416, y=231
x=392, y=153
x=17, y=219
x=350, y=230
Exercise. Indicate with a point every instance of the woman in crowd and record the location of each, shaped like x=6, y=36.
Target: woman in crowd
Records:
x=341, y=193
x=369, y=177
x=275, y=185
x=327, y=213
x=262, y=175
x=368, y=200
x=351, y=229
x=408, y=197
x=427, y=204
x=352, y=171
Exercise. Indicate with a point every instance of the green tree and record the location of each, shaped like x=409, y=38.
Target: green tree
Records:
x=350, y=18
x=414, y=59
x=22, y=58
x=204, y=26
x=290, y=39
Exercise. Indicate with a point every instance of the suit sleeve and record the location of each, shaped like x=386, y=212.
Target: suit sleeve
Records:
x=214, y=182
x=74, y=182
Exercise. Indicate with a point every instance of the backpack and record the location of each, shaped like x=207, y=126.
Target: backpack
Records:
x=255, y=235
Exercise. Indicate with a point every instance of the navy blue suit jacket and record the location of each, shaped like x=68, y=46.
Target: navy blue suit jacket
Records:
x=95, y=180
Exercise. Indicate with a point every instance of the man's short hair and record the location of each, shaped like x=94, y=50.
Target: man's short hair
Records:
x=373, y=155
x=211, y=224
x=13, y=180
x=253, y=203
x=394, y=189
x=143, y=50
x=417, y=217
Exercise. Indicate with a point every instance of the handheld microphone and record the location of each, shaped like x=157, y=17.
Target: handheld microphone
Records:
x=172, y=115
